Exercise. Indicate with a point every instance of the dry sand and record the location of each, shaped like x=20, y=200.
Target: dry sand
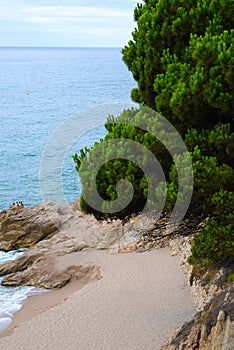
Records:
x=139, y=300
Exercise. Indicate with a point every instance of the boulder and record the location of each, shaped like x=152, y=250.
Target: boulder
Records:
x=49, y=273
x=23, y=227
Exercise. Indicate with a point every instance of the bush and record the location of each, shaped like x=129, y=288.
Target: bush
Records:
x=216, y=242
x=217, y=142
x=107, y=163
x=230, y=278
x=211, y=175
x=212, y=193
x=209, y=179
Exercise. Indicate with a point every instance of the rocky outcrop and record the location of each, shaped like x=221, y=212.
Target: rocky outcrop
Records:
x=23, y=227
x=51, y=278
x=211, y=329
x=54, y=232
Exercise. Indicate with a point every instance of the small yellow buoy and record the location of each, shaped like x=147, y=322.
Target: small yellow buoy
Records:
x=27, y=92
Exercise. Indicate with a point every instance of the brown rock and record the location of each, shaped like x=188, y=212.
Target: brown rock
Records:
x=23, y=227
x=45, y=273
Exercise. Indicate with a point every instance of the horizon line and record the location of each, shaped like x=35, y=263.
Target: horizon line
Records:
x=60, y=47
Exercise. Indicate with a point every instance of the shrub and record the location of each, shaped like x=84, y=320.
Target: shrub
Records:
x=217, y=142
x=230, y=278
x=107, y=163
x=216, y=241
x=209, y=178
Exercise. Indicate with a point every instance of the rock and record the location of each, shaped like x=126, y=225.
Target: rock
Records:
x=23, y=227
x=45, y=273
x=54, y=232
x=210, y=329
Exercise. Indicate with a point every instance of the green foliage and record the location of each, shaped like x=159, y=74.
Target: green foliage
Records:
x=217, y=142
x=213, y=165
x=78, y=158
x=125, y=160
x=182, y=56
x=180, y=168
x=213, y=178
x=230, y=278
x=213, y=192
x=209, y=178
x=216, y=242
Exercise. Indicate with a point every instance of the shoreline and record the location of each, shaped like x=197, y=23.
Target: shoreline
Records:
x=38, y=303
x=137, y=302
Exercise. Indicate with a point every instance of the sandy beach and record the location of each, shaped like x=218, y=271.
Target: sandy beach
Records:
x=138, y=301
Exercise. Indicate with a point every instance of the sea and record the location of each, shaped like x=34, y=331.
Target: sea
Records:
x=40, y=90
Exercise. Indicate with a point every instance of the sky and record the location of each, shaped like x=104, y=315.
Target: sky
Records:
x=66, y=23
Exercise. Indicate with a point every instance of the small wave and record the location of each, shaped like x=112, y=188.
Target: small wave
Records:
x=11, y=299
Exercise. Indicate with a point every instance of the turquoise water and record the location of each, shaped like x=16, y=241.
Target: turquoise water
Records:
x=41, y=88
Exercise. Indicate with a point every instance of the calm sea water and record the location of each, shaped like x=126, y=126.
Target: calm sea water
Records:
x=39, y=89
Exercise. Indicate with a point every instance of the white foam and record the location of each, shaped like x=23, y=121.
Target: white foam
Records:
x=11, y=298
x=4, y=323
x=5, y=313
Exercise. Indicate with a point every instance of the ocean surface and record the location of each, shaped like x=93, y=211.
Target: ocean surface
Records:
x=40, y=88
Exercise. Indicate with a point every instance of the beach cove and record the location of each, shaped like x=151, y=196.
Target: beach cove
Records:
x=116, y=300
